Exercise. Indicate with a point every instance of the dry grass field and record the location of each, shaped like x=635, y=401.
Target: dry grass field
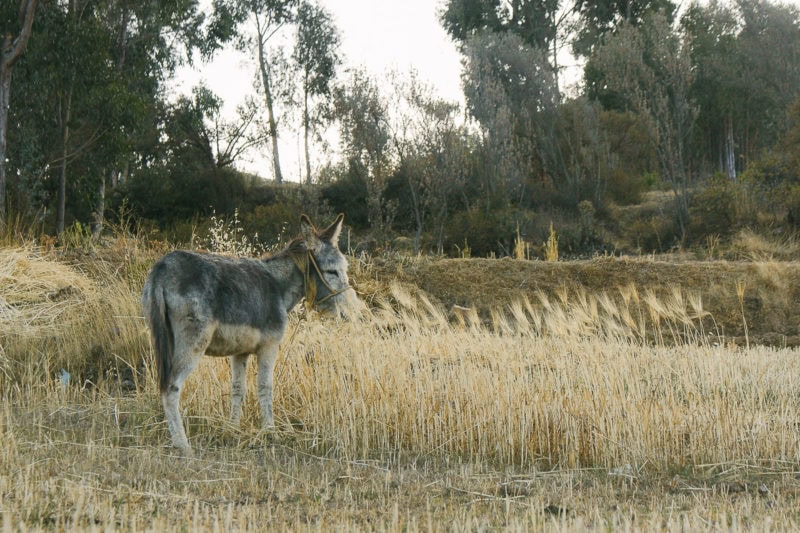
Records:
x=621, y=394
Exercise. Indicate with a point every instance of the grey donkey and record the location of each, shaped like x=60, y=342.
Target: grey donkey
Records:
x=203, y=304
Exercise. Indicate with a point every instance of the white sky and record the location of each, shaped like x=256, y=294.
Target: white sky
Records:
x=379, y=35
x=391, y=34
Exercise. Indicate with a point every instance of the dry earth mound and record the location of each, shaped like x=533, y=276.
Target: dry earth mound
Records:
x=760, y=296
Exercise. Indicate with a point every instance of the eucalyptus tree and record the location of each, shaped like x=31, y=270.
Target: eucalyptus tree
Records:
x=599, y=22
x=432, y=145
x=365, y=137
x=270, y=16
x=257, y=26
x=598, y=18
x=15, y=39
x=511, y=91
x=103, y=65
x=650, y=67
x=746, y=63
x=712, y=33
x=196, y=134
x=537, y=23
x=316, y=55
x=147, y=41
x=769, y=78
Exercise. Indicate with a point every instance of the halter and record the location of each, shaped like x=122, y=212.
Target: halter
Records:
x=303, y=261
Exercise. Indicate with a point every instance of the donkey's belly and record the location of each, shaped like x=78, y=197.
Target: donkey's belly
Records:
x=231, y=339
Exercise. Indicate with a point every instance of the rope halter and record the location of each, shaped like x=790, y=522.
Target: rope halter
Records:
x=304, y=262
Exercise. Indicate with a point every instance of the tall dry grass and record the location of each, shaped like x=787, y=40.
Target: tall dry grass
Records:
x=573, y=386
x=406, y=418
x=574, y=379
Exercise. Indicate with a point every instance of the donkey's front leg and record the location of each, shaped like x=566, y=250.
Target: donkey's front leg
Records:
x=238, y=386
x=266, y=365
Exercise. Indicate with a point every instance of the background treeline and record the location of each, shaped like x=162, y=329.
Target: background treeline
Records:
x=684, y=129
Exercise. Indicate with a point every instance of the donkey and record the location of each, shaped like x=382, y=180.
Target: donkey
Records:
x=198, y=304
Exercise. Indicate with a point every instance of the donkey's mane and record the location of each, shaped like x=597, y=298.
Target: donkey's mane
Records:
x=296, y=247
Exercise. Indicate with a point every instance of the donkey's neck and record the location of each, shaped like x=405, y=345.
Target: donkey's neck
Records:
x=289, y=277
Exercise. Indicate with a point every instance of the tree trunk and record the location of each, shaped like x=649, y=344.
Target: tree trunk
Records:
x=5, y=88
x=62, y=173
x=273, y=128
x=305, y=136
x=555, y=59
x=730, y=156
x=12, y=49
x=440, y=239
x=417, y=215
x=100, y=206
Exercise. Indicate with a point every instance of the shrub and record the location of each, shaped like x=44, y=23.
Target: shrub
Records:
x=714, y=209
x=655, y=233
x=349, y=195
x=485, y=233
x=275, y=224
x=788, y=198
x=172, y=195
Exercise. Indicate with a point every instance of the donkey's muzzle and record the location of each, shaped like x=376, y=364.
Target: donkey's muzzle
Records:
x=342, y=304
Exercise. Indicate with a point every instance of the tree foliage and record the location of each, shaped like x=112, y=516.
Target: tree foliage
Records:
x=649, y=66
x=597, y=19
x=104, y=64
x=533, y=21
x=664, y=103
x=15, y=35
x=316, y=56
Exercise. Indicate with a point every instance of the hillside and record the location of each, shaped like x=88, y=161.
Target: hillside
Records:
x=769, y=290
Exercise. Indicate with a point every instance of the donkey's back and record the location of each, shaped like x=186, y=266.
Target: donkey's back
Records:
x=208, y=287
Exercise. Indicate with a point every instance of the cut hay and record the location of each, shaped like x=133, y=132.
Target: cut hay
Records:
x=54, y=316
x=39, y=296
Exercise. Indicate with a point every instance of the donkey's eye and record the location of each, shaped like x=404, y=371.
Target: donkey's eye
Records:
x=333, y=273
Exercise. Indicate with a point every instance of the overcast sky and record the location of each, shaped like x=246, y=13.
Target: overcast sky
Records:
x=387, y=34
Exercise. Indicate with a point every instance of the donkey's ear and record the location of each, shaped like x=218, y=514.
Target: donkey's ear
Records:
x=308, y=232
x=332, y=232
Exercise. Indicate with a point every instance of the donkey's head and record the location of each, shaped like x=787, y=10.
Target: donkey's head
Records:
x=327, y=285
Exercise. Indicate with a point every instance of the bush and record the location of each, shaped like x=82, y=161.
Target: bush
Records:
x=653, y=233
x=789, y=200
x=172, y=195
x=348, y=195
x=275, y=224
x=485, y=233
x=713, y=210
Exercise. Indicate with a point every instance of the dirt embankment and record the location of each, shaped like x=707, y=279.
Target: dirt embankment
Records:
x=765, y=295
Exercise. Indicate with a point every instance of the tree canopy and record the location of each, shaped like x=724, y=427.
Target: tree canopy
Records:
x=670, y=101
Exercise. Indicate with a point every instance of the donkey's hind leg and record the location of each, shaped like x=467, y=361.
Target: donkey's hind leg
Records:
x=238, y=386
x=171, y=398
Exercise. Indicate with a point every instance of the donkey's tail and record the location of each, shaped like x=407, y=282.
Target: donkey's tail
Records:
x=161, y=331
